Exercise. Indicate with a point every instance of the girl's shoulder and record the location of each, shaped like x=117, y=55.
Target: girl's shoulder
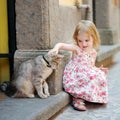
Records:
x=74, y=54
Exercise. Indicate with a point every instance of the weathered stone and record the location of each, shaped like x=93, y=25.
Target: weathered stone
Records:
x=108, y=36
x=32, y=24
x=106, y=19
x=40, y=24
x=55, y=79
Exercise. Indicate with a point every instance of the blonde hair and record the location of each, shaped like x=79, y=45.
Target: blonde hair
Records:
x=89, y=28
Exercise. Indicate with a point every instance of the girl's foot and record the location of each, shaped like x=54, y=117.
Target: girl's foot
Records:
x=78, y=104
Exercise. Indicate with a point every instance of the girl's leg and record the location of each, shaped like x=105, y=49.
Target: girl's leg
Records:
x=79, y=104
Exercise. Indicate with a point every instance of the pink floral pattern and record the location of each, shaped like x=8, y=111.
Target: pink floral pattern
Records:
x=83, y=80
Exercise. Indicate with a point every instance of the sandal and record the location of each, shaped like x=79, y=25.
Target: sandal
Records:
x=78, y=104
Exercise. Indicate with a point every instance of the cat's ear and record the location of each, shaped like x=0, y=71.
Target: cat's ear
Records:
x=56, y=61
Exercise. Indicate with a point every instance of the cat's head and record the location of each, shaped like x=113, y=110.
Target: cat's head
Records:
x=54, y=60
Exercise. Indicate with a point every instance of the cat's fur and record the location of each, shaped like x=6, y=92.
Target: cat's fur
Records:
x=32, y=75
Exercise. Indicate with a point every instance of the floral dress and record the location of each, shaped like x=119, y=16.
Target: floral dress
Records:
x=82, y=79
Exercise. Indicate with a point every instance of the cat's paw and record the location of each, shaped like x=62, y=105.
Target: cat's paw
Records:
x=42, y=96
x=31, y=95
x=48, y=94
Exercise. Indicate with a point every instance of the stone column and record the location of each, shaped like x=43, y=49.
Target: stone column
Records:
x=36, y=25
x=104, y=22
x=32, y=24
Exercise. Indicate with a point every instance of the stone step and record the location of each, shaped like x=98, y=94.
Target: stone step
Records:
x=32, y=109
x=106, y=53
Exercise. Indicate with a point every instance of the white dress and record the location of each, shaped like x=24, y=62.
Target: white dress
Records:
x=83, y=80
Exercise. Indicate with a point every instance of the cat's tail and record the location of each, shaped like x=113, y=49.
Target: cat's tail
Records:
x=7, y=88
x=19, y=94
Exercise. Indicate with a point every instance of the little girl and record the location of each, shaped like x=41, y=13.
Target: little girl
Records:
x=81, y=78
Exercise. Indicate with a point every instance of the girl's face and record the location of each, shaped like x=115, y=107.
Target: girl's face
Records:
x=85, y=42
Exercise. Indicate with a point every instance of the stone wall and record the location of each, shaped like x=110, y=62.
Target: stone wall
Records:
x=42, y=23
x=69, y=2
x=67, y=19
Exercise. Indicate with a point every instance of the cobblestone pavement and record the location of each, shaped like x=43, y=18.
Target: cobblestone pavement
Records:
x=99, y=112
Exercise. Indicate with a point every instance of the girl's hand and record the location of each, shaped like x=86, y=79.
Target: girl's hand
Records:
x=105, y=70
x=53, y=51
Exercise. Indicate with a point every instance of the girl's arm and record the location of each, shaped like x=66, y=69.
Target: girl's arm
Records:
x=64, y=46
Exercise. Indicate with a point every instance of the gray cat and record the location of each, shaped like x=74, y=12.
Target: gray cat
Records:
x=32, y=75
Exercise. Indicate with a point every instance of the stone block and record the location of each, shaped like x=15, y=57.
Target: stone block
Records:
x=32, y=24
x=108, y=36
x=55, y=79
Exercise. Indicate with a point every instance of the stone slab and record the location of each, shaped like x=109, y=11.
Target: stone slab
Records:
x=55, y=79
x=32, y=109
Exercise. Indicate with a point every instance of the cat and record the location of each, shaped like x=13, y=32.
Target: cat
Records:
x=32, y=75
